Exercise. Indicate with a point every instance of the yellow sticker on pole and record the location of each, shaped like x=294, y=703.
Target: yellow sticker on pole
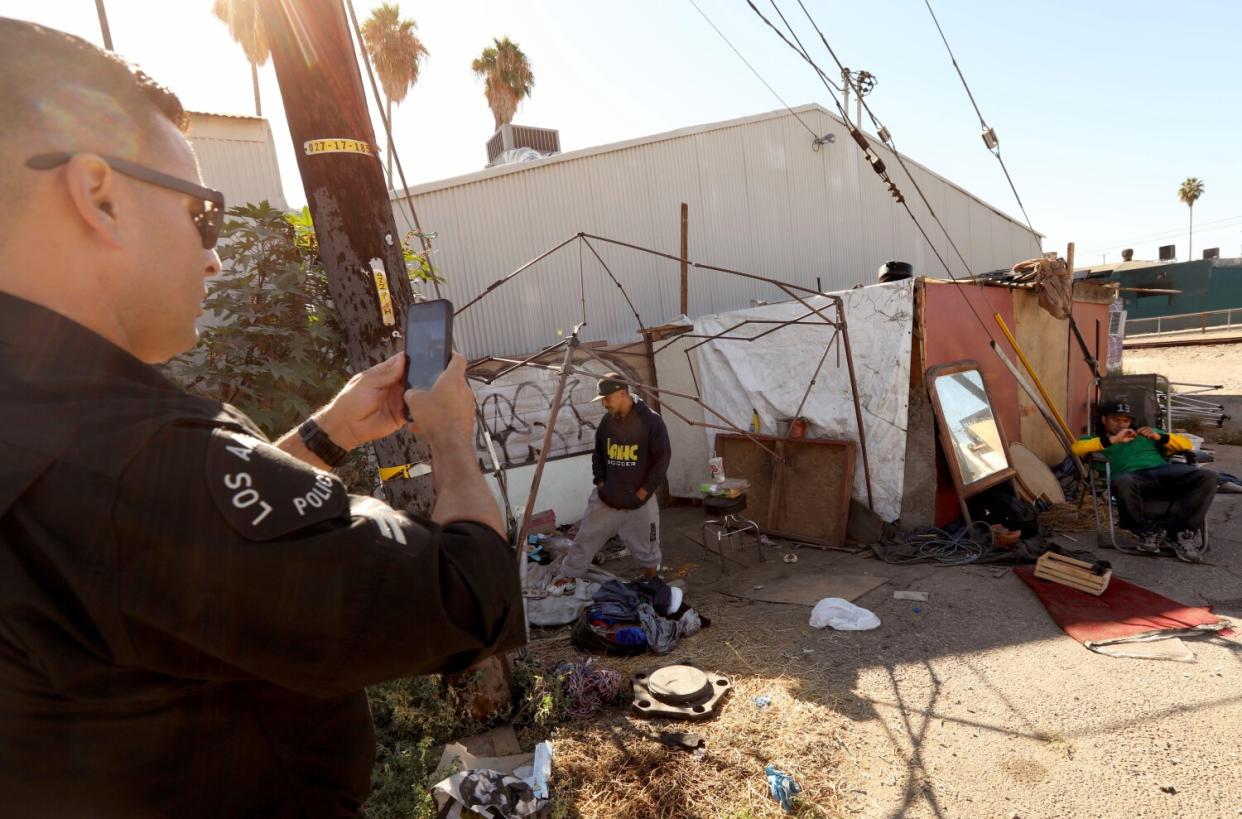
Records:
x=336, y=146
x=385, y=297
x=406, y=471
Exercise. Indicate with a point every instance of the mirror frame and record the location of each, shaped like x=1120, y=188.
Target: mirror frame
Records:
x=965, y=490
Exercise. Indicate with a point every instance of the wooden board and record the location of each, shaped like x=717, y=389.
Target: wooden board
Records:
x=1045, y=340
x=1034, y=476
x=813, y=490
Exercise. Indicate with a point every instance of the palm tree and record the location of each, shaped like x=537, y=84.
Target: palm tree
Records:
x=396, y=52
x=507, y=78
x=245, y=24
x=1189, y=192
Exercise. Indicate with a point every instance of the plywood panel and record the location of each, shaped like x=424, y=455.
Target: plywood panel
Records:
x=816, y=480
x=1044, y=340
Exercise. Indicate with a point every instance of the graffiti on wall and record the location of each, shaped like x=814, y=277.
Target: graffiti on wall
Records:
x=515, y=412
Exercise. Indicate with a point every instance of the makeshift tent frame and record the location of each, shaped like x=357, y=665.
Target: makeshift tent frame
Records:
x=572, y=345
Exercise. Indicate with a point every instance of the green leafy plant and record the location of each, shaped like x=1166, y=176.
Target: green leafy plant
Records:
x=272, y=346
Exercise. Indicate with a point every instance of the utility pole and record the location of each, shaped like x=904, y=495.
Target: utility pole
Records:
x=321, y=86
x=359, y=245
x=103, y=24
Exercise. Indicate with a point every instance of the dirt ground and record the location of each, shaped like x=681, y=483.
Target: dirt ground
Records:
x=972, y=704
x=1200, y=364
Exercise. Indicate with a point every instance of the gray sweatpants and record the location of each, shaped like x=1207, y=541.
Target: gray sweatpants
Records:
x=639, y=530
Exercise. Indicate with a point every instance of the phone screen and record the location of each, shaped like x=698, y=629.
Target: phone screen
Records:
x=428, y=342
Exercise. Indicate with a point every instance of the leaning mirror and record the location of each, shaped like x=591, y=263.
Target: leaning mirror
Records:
x=971, y=437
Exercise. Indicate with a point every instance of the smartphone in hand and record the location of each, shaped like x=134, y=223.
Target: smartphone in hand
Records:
x=428, y=342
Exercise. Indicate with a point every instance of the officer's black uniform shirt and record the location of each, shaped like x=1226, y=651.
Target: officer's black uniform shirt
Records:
x=187, y=614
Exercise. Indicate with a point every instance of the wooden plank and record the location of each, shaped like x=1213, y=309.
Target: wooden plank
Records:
x=812, y=497
x=1045, y=340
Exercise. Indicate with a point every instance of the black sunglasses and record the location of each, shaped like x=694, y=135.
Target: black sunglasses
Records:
x=208, y=216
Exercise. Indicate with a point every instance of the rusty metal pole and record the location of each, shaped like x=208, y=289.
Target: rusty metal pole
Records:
x=359, y=245
x=862, y=431
x=685, y=258
x=548, y=431
x=104, y=29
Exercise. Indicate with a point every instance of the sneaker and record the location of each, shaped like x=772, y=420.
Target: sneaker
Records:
x=1151, y=542
x=1189, y=546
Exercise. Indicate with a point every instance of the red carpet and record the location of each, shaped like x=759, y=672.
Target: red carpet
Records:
x=1123, y=613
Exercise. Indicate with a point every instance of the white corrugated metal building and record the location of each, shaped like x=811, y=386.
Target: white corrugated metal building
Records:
x=237, y=156
x=761, y=199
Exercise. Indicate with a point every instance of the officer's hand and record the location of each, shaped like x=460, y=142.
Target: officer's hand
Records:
x=369, y=407
x=444, y=413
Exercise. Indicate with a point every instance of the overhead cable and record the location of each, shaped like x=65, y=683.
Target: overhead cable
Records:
x=753, y=70
x=423, y=239
x=989, y=134
x=873, y=158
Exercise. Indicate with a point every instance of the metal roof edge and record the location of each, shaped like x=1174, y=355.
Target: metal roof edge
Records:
x=583, y=153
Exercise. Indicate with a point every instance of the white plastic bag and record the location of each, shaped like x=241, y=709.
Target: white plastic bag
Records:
x=842, y=615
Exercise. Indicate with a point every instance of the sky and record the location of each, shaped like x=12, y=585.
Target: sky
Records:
x=1102, y=108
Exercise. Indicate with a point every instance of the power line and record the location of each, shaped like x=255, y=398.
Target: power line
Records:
x=989, y=135
x=759, y=76
x=1217, y=224
x=423, y=238
x=876, y=163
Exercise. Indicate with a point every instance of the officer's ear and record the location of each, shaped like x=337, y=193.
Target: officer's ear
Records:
x=92, y=188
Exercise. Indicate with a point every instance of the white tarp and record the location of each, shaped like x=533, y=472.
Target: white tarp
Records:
x=770, y=376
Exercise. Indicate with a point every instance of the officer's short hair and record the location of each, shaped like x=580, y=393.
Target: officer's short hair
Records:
x=53, y=86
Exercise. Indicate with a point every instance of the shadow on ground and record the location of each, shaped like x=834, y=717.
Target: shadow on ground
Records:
x=974, y=703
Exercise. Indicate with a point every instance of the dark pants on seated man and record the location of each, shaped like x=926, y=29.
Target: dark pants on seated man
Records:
x=1187, y=489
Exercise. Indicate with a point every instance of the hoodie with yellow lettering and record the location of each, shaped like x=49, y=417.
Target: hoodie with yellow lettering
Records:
x=631, y=453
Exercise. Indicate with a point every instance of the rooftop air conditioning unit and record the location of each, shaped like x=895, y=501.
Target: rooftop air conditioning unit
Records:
x=1212, y=253
x=510, y=137
x=1168, y=253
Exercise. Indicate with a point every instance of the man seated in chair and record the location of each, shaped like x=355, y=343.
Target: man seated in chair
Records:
x=1141, y=472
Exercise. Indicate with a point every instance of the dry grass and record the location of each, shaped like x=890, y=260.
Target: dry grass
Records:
x=614, y=767
x=1071, y=517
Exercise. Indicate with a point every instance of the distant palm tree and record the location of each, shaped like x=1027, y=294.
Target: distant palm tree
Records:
x=507, y=78
x=245, y=24
x=1189, y=192
x=397, y=53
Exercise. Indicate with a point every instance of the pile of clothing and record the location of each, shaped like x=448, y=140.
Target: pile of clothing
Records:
x=632, y=618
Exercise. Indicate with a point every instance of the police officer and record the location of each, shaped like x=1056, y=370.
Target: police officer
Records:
x=188, y=613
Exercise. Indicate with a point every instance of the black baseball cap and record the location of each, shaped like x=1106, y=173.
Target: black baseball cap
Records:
x=610, y=383
x=1118, y=408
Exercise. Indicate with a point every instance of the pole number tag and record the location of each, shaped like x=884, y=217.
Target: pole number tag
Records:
x=335, y=146
x=265, y=493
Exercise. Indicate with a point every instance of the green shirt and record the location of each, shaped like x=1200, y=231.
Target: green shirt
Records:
x=1141, y=453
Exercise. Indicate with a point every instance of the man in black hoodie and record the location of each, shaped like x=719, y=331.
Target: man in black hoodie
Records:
x=629, y=465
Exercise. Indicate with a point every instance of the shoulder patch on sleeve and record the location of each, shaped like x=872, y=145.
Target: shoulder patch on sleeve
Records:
x=265, y=493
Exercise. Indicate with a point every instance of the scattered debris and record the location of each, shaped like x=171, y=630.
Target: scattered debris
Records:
x=782, y=786
x=681, y=740
x=842, y=615
x=920, y=596
x=790, y=557
x=679, y=691
x=763, y=701
x=1171, y=789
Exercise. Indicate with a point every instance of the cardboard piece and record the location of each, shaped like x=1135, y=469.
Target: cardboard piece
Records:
x=494, y=750
x=805, y=589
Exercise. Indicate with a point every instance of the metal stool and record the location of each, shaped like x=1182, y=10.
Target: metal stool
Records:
x=730, y=523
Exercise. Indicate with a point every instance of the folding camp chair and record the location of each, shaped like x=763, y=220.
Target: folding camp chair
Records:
x=1148, y=394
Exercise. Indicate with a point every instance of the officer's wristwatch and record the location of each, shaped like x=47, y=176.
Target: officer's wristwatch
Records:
x=318, y=442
